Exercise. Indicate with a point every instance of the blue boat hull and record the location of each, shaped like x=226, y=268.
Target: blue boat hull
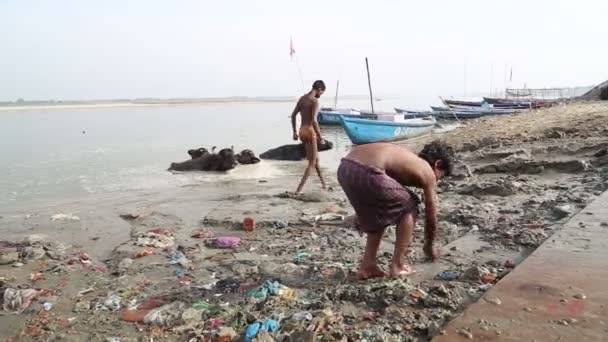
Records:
x=361, y=131
x=333, y=118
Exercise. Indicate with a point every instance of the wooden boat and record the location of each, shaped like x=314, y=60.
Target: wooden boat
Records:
x=450, y=115
x=481, y=110
x=522, y=103
x=330, y=116
x=411, y=114
x=484, y=104
x=362, y=131
x=451, y=103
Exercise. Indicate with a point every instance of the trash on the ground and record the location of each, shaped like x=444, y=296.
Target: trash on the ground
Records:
x=155, y=240
x=248, y=224
x=419, y=294
x=371, y=315
x=302, y=316
x=510, y=264
x=227, y=332
x=166, y=315
x=270, y=325
x=9, y=258
x=264, y=336
x=144, y=252
x=202, y=234
x=47, y=306
x=134, y=316
x=447, y=275
x=178, y=257
x=152, y=303
x=280, y=224
x=85, y=291
x=479, y=274
x=65, y=217
x=209, y=310
x=16, y=300
x=300, y=256
x=228, y=285
x=271, y=288
x=185, y=281
x=488, y=278
x=227, y=242
x=252, y=331
x=191, y=315
x=112, y=302
x=215, y=323
x=36, y=276
x=125, y=264
x=163, y=231
x=82, y=306
x=328, y=217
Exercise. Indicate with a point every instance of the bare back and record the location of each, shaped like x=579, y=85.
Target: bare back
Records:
x=307, y=106
x=399, y=163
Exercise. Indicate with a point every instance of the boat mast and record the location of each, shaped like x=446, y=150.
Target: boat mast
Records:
x=369, y=83
x=336, y=98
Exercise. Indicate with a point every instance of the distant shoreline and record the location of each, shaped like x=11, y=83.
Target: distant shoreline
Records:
x=38, y=105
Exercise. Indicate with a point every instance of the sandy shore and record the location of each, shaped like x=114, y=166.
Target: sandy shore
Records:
x=153, y=103
x=519, y=179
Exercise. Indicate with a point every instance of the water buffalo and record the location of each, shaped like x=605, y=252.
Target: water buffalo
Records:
x=293, y=151
x=199, y=152
x=247, y=157
x=223, y=161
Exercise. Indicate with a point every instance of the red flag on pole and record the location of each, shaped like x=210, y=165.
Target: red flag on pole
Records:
x=291, y=49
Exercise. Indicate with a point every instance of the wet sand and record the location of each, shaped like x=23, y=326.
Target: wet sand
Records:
x=521, y=177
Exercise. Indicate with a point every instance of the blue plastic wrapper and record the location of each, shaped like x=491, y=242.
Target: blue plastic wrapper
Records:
x=270, y=325
x=252, y=331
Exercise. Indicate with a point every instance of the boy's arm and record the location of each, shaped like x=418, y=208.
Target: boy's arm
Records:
x=315, y=124
x=295, y=112
x=430, y=211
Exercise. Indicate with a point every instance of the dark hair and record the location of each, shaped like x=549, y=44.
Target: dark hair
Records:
x=318, y=85
x=439, y=151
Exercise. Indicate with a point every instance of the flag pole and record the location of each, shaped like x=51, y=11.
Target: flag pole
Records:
x=300, y=73
x=292, y=53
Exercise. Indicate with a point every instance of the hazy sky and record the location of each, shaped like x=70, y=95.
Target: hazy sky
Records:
x=124, y=49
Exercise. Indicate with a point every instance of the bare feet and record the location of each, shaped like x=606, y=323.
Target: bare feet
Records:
x=430, y=251
x=369, y=272
x=401, y=271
